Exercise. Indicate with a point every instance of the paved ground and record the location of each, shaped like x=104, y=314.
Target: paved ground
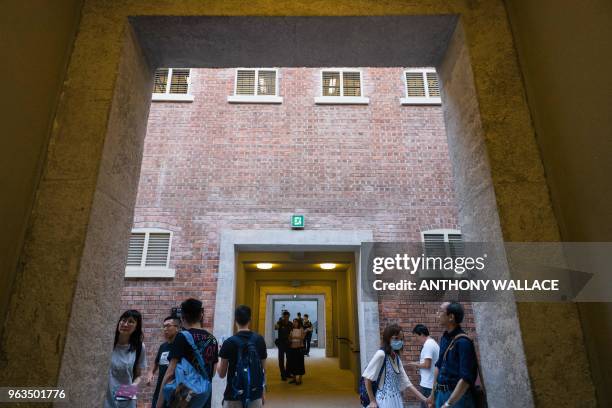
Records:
x=324, y=385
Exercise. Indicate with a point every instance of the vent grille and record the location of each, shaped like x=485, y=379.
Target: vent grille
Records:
x=352, y=83
x=157, y=249
x=455, y=243
x=136, y=249
x=161, y=80
x=434, y=88
x=434, y=245
x=331, y=84
x=179, y=83
x=245, y=82
x=415, y=84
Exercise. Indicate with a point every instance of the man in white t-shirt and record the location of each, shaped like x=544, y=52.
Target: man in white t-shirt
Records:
x=428, y=359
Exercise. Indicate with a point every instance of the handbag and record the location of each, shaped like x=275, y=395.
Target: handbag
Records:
x=363, y=391
x=188, y=382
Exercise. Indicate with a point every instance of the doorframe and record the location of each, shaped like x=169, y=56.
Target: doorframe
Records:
x=234, y=241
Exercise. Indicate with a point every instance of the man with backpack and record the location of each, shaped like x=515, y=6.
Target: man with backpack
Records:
x=193, y=337
x=243, y=358
x=456, y=371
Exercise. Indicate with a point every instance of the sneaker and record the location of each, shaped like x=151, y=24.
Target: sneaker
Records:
x=292, y=382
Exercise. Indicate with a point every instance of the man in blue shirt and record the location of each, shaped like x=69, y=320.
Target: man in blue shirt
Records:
x=456, y=369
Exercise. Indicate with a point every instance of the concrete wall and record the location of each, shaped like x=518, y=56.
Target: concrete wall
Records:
x=564, y=51
x=36, y=44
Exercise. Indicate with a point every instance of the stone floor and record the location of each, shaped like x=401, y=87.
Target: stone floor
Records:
x=324, y=385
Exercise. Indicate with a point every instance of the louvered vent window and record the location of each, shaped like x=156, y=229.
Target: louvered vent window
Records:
x=256, y=82
x=341, y=83
x=149, y=249
x=443, y=243
x=422, y=87
x=172, y=81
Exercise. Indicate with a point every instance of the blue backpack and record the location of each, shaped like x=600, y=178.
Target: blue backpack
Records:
x=363, y=391
x=248, y=381
x=188, y=382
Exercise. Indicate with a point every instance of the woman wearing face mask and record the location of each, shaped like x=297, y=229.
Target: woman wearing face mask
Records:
x=393, y=379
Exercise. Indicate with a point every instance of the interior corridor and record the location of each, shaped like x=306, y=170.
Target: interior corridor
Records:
x=324, y=384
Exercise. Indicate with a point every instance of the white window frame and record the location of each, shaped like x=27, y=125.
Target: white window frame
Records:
x=170, y=97
x=445, y=231
x=341, y=100
x=151, y=271
x=267, y=99
x=426, y=100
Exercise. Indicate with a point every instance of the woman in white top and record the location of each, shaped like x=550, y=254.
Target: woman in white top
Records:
x=128, y=361
x=393, y=379
x=295, y=354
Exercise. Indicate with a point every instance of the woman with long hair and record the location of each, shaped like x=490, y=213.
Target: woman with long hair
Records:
x=387, y=366
x=128, y=362
x=295, y=355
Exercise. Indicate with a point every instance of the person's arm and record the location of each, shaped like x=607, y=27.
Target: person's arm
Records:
x=222, y=367
x=467, y=359
x=141, y=367
x=417, y=393
x=152, y=372
x=432, y=397
x=425, y=364
x=368, y=385
x=169, y=376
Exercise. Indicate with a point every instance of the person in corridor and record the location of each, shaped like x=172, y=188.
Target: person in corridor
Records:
x=393, y=377
x=308, y=334
x=230, y=355
x=171, y=327
x=284, y=327
x=456, y=370
x=295, y=365
x=128, y=362
x=192, y=315
x=428, y=359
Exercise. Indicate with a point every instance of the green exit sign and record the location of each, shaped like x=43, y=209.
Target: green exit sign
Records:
x=297, y=221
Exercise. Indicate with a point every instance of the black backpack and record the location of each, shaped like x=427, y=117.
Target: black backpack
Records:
x=248, y=381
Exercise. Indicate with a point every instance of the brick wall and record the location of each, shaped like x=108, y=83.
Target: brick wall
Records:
x=210, y=165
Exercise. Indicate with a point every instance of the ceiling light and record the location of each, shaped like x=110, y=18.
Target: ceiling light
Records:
x=264, y=265
x=328, y=265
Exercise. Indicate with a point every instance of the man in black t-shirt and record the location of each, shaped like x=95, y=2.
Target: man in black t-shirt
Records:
x=284, y=327
x=171, y=328
x=229, y=357
x=192, y=314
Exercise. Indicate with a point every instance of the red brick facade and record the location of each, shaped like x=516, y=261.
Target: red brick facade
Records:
x=210, y=165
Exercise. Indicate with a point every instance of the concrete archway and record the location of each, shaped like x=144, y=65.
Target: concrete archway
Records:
x=92, y=173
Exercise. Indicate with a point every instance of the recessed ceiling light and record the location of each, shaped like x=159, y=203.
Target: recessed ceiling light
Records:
x=328, y=265
x=264, y=265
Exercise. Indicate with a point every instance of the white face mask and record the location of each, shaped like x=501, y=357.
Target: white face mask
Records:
x=397, y=344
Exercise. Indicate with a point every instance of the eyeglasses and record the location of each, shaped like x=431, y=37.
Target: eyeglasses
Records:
x=127, y=321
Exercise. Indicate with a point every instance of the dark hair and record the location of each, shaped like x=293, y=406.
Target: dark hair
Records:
x=137, y=336
x=299, y=314
x=286, y=313
x=421, y=330
x=176, y=320
x=191, y=310
x=390, y=331
x=242, y=315
x=299, y=322
x=306, y=315
x=456, y=310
